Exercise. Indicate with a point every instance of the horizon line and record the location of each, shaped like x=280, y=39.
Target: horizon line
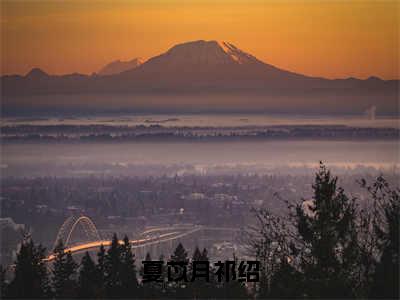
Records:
x=95, y=73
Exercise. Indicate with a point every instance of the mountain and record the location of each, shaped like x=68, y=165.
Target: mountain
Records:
x=37, y=73
x=197, y=53
x=208, y=64
x=118, y=66
x=199, y=75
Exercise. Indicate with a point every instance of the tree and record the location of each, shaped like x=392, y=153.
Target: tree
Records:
x=180, y=254
x=31, y=278
x=196, y=289
x=328, y=247
x=314, y=250
x=385, y=281
x=129, y=283
x=101, y=269
x=271, y=242
x=112, y=267
x=88, y=278
x=64, y=273
x=232, y=289
x=149, y=289
x=327, y=229
x=147, y=258
x=204, y=255
x=197, y=255
x=179, y=289
x=162, y=286
x=285, y=282
x=200, y=288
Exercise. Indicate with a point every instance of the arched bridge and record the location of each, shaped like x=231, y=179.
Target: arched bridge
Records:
x=70, y=224
x=93, y=240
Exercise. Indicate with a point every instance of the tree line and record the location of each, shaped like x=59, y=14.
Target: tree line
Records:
x=330, y=246
x=112, y=275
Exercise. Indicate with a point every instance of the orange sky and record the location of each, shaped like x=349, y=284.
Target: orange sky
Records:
x=321, y=38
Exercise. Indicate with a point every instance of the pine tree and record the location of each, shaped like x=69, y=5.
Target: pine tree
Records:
x=330, y=239
x=101, y=269
x=200, y=288
x=386, y=278
x=179, y=289
x=147, y=258
x=161, y=287
x=31, y=278
x=195, y=288
x=204, y=255
x=328, y=248
x=149, y=289
x=129, y=283
x=153, y=289
x=64, y=273
x=197, y=254
x=180, y=254
x=88, y=278
x=112, y=266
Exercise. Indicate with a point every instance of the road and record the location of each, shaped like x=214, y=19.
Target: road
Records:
x=145, y=240
x=135, y=243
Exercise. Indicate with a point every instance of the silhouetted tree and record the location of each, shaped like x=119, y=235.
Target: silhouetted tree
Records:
x=325, y=248
x=30, y=277
x=314, y=250
x=149, y=289
x=328, y=232
x=286, y=282
x=231, y=289
x=147, y=258
x=180, y=254
x=129, y=283
x=200, y=288
x=161, y=287
x=271, y=243
x=64, y=273
x=196, y=254
x=196, y=289
x=88, y=278
x=101, y=270
x=112, y=266
x=204, y=255
x=179, y=289
x=386, y=277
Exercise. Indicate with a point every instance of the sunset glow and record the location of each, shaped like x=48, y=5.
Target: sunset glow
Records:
x=333, y=39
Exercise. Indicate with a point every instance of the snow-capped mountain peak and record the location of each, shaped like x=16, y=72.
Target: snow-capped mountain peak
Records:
x=118, y=66
x=236, y=54
x=206, y=53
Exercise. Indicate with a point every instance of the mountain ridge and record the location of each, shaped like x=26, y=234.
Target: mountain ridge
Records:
x=118, y=66
x=139, y=61
x=204, y=68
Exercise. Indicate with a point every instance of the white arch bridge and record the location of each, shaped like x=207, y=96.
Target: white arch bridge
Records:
x=153, y=238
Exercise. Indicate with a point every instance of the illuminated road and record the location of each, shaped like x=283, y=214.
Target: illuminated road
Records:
x=142, y=242
x=152, y=236
x=145, y=239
